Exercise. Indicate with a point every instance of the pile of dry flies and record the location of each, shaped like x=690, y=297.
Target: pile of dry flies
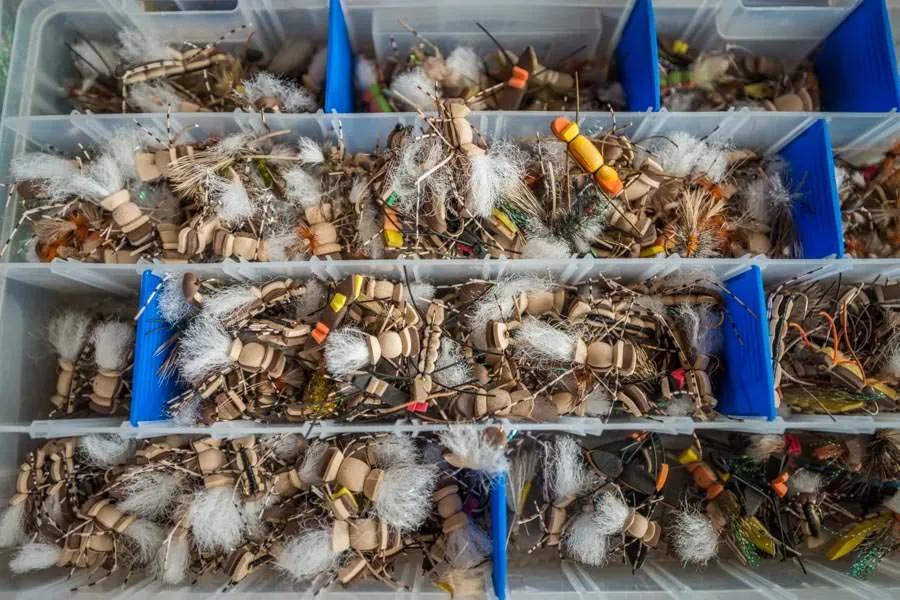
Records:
x=732, y=78
x=442, y=193
x=870, y=205
x=632, y=498
x=94, y=356
x=258, y=195
x=366, y=349
x=836, y=346
x=448, y=193
x=498, y=80
x=141, y=72
x=313, y=512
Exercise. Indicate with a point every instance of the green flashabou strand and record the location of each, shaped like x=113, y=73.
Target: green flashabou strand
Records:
x=263, y=169
x=867, y=560
x=748, y=550
x=519, y=217
x=747, y=468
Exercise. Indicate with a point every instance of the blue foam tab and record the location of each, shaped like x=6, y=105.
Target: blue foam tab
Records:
x=816, y=206
x=637, y=59
x=747, y=387
x=856, y=65
x=149, y=392
x=339, y=67
x=498, y=535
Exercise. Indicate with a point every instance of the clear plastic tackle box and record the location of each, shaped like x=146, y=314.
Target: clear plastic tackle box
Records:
x=850, y=43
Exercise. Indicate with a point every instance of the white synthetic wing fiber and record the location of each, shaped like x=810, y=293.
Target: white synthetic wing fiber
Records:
x=12, y=525
x=392, y=451
x=113, y=341
x=422, y=293
x=451, y=368
x=312, y=300
x=302, y=188
x=400, y=502
x=226, y=303
x=546, y=248
x=308, y=554
x=173, y=561
x=35, y=556
x=478, y=451
x=584, y=542
x=310, y=153
x=693, y=537
x=150, y=494
x=536, y=341
x=173, y=306
x=412, y=89
x=567, y=476
x=105, y=449
x=216, y=522
x=610, y=514
x=158, y=96
x=231, y=200
x=346, y=351
x=466, y=547
x=465, y=62
x=146, y=538
x=140, y=47
x=364, y=73
x=68, y=333
x=492, y=174
x=203, y=350
x=497, y=304
x=41, y=166
x=804, y=481
x=761, y=447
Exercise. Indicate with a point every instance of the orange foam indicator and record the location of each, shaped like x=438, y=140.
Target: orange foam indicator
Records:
x=519, y=78
x=320, y=332
x=587, y=155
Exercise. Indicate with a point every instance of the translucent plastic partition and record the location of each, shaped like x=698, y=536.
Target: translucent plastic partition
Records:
x=610, y=29
x=849, y=42
x=41, y=63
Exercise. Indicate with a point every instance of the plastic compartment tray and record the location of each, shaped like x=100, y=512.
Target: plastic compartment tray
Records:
x=801, y=140
x=538, y=576
x=30, y=293
x=41, y=64
x=849, y=42
x=853, y=44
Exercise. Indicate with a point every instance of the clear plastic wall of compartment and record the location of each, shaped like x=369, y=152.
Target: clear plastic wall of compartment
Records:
x=849, y=42
x=41, y=63
x=598, y=30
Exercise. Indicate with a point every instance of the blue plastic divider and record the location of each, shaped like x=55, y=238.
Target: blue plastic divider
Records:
x=149, y=392
x=637, y=59
x=816, y=206
x=856, y=64
x=339, y=93
x=498, y=535
x=747, y=387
